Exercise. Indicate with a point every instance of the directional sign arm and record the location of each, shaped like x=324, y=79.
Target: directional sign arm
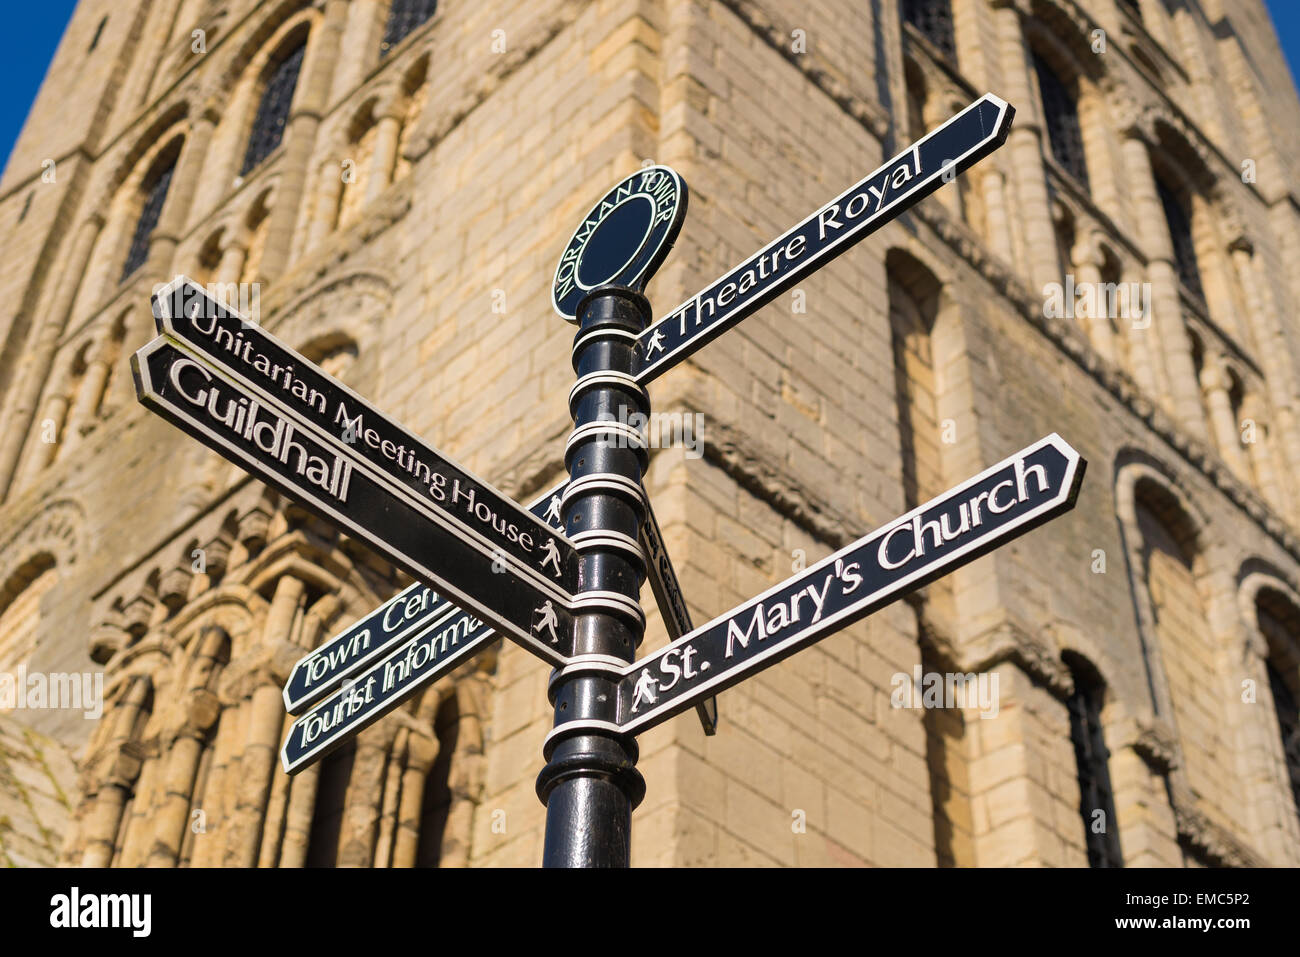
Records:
x=280, y=376
x=364, y=699
x=407, y=615
x=999, y=504
x=434, y=646
x=204, y=401
x=834, y=229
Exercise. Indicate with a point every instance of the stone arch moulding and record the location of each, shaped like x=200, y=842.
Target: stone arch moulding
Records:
x=1133, y=465
x=1269, y=791
x=170, y=123
x=351, y=306
x=911, y=255
x=359, y=119
x=1258, y=575
x=235, y=607
x=1134, y=468
x=1073, y=640
x=1063, y=39
x=58, y=530
x=266, y=39
x=238, y=89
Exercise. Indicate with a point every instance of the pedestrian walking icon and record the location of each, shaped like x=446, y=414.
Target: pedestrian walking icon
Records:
x=656, y=342
x=644, y=690
x=551, y=556
x=548, y=622
x=552, y=516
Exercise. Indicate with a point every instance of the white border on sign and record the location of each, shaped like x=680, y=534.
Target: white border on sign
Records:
x=683, y=702
x=360, y=532
x=326, y=688
x=506, y=500
x=651, y=371
x=680, y=190
x=444, y=518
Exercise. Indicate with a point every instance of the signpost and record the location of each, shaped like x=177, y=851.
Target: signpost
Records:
x=449, y=494
x=417, y=610
x=1001, y=503
x=435, y=643
x=320, y=473
x=404, y=618
x=364, y=698
x=563, y=578
x=837, y=227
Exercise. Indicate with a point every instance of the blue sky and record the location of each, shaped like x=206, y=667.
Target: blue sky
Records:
x=27, y=42
x=32, y=32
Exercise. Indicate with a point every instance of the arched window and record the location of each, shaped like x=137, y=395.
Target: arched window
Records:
x=1170, y=564
x=361, y=151
x=1061, y=116
x=933, y=18
x=916, y=97
x=438, y=800
x=913, y=306
x=273, y=110
x=20, y=614
x=403, y=17
x=155, y=194
x=331, y=797
x=1288, y=722
x=1180, y=232
x=1096, y=800
x=258, y=222
x=1112, y=277
x=1278, y=622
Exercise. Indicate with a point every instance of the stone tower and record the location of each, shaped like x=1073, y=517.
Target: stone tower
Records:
x=391, y=183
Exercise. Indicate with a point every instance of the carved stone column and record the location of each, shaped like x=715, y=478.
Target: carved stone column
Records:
x=1264, y=453
x=328, y=191
x=1087, y=260
x=180, y=195
x=91, y=391
x=1275, y=357
x=997, y=216
x=1024, y=145
x=1215, y=386
x=300, y=137
x=182, y=764
x=118, y=778
x=392, y=796
x=384, y=156
x=259, y=759
x=421, y=752
x=234, y=251
x=298, y=817
x=38, y=355
x=52, y=419
x=1183, y=399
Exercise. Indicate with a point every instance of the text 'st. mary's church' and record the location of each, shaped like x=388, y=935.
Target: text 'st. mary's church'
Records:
x=390, y=183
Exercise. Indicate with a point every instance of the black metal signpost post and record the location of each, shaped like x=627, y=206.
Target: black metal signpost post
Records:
x=563, y=578
x=590, y=784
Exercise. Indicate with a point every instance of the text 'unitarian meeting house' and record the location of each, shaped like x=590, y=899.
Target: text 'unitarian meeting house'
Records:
x=393, y=181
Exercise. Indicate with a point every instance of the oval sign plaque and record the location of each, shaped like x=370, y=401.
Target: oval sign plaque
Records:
x=624, y=239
